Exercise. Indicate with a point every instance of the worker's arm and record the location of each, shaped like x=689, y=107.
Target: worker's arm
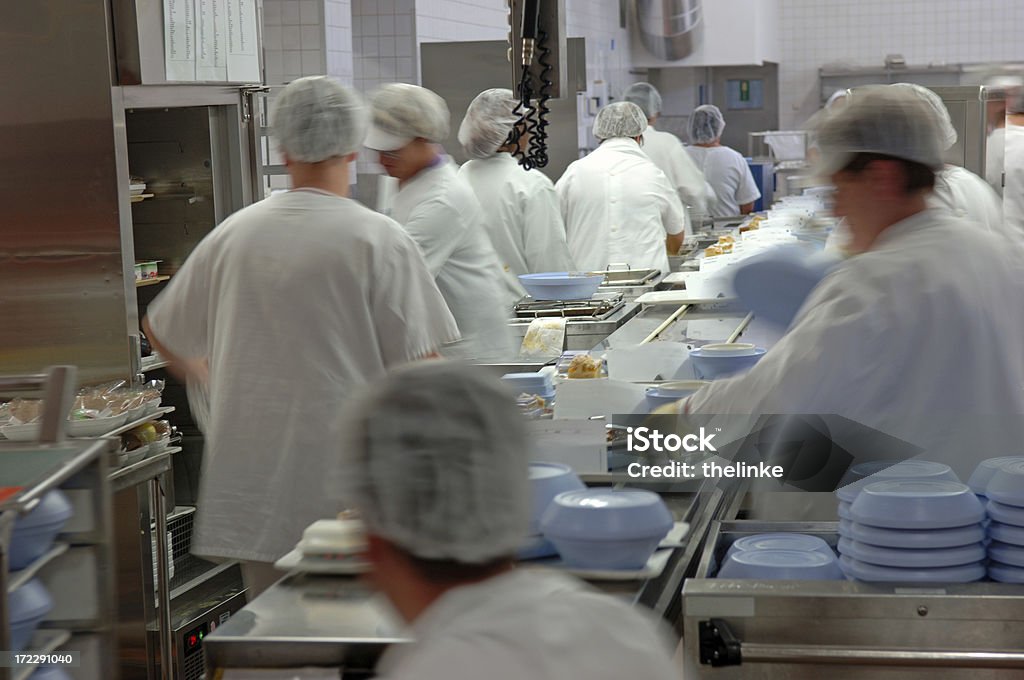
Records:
x=674, y=243
x=747, y=208
x=183, y=369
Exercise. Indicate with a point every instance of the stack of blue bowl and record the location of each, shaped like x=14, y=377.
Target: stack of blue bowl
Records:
x=547, y=480
x=862, y=474
x=792, y=557
x=27, y=607
x=1005, y=491
x=34, y=533
x=913, y=531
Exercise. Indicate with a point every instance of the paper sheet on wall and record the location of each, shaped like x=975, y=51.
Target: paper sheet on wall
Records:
x=243, y=57
x=580, y=399
x=180, y=40
x=580, y=444
x=212, y=63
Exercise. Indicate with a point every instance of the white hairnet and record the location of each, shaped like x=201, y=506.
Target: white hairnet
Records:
x=646, y=96
x=488, y=122
x=835, y=98
x=438, y=463
x=934, y=102
x=706, y=124
x=884, y=120
x=411, y=111
x=316, y=118
x=620, y=119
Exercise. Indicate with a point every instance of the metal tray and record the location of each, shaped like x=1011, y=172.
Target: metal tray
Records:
x=804, y=630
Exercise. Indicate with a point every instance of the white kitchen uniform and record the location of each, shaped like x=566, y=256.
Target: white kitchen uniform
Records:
x=443, y=217
x=967, y=196
x=530, y=624
x=296, y=301
x=669, y=154
x=618, y=207
x=995, y=157
x=914, y=338
x=522, y=218
x=729, y=176
x=1013, y=192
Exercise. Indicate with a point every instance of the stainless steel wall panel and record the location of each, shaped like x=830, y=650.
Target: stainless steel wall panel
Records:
x=62, y=287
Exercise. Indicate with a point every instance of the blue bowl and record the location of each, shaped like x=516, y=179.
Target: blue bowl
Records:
x=28, y=606
x=862, y=571
x=878, y=471
x=1007, y=484
x=912, y=558
x=787, y=565
x=547, y=480
x=1005, y=514
x=561, y=285
x=844, y=511
x=902, y=538
x=535, y=548
x=985, y=469
x=1006, y=533
x=1004, y=573
x=781, y=541
x=913, y=504
x=1005, y=553
x=605, y=529
x=34, y=533
x=707, y=366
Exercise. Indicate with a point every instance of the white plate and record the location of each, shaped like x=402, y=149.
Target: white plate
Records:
x=655, y=565
x=729, y=349
x=95, y=427
x=24, y=432
x=295, y=561
x=677, y=297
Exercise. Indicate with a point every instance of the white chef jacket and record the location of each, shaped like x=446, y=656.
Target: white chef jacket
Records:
x=531, y=624
x=618, y=207
x=443, y=217
x=1013, y=192
x=995, y=153
x=522, y=218
x=914, y=338
x=296, y=301
x=729, y=176
x=967, y=196
x=669, y=154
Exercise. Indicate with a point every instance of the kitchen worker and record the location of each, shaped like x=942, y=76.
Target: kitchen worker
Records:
x=724, y=169
x=292, y=302
x=441, y=453
x=914, y=336
x=958, y=189
x=668, y=152
x=523, y=218
x=1013, y=192
x=439, y=211
x=619, y=208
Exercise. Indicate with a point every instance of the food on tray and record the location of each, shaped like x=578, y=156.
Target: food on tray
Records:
x=713, y=251
x=25, y=410
x=584, y=366
x=342, y=539
x=726, y=239
x=136, y=438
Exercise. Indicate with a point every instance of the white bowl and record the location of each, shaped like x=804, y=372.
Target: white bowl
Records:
x=729, y=349
x=27, y=432
x=679, y=388
x=95, y=427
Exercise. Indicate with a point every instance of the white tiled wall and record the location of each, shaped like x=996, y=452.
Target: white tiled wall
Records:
x=462, y=20
x=294, y=39
x=816, y=33
x=384, y=39
x=338, y=40
x=607, y=44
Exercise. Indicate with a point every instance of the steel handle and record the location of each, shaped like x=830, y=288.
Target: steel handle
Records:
x=761, y=653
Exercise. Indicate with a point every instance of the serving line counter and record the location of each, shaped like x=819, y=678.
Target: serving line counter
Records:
x=337, y=622
x=843, y=630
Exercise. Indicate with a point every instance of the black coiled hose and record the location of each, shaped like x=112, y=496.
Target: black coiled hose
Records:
x=538, y=125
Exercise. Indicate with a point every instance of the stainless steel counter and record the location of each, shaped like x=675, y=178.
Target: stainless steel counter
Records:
x=845, y=630
x=584, y=334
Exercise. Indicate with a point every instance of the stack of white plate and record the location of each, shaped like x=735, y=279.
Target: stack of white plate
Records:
x=913, y=531
x=1005, y=491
